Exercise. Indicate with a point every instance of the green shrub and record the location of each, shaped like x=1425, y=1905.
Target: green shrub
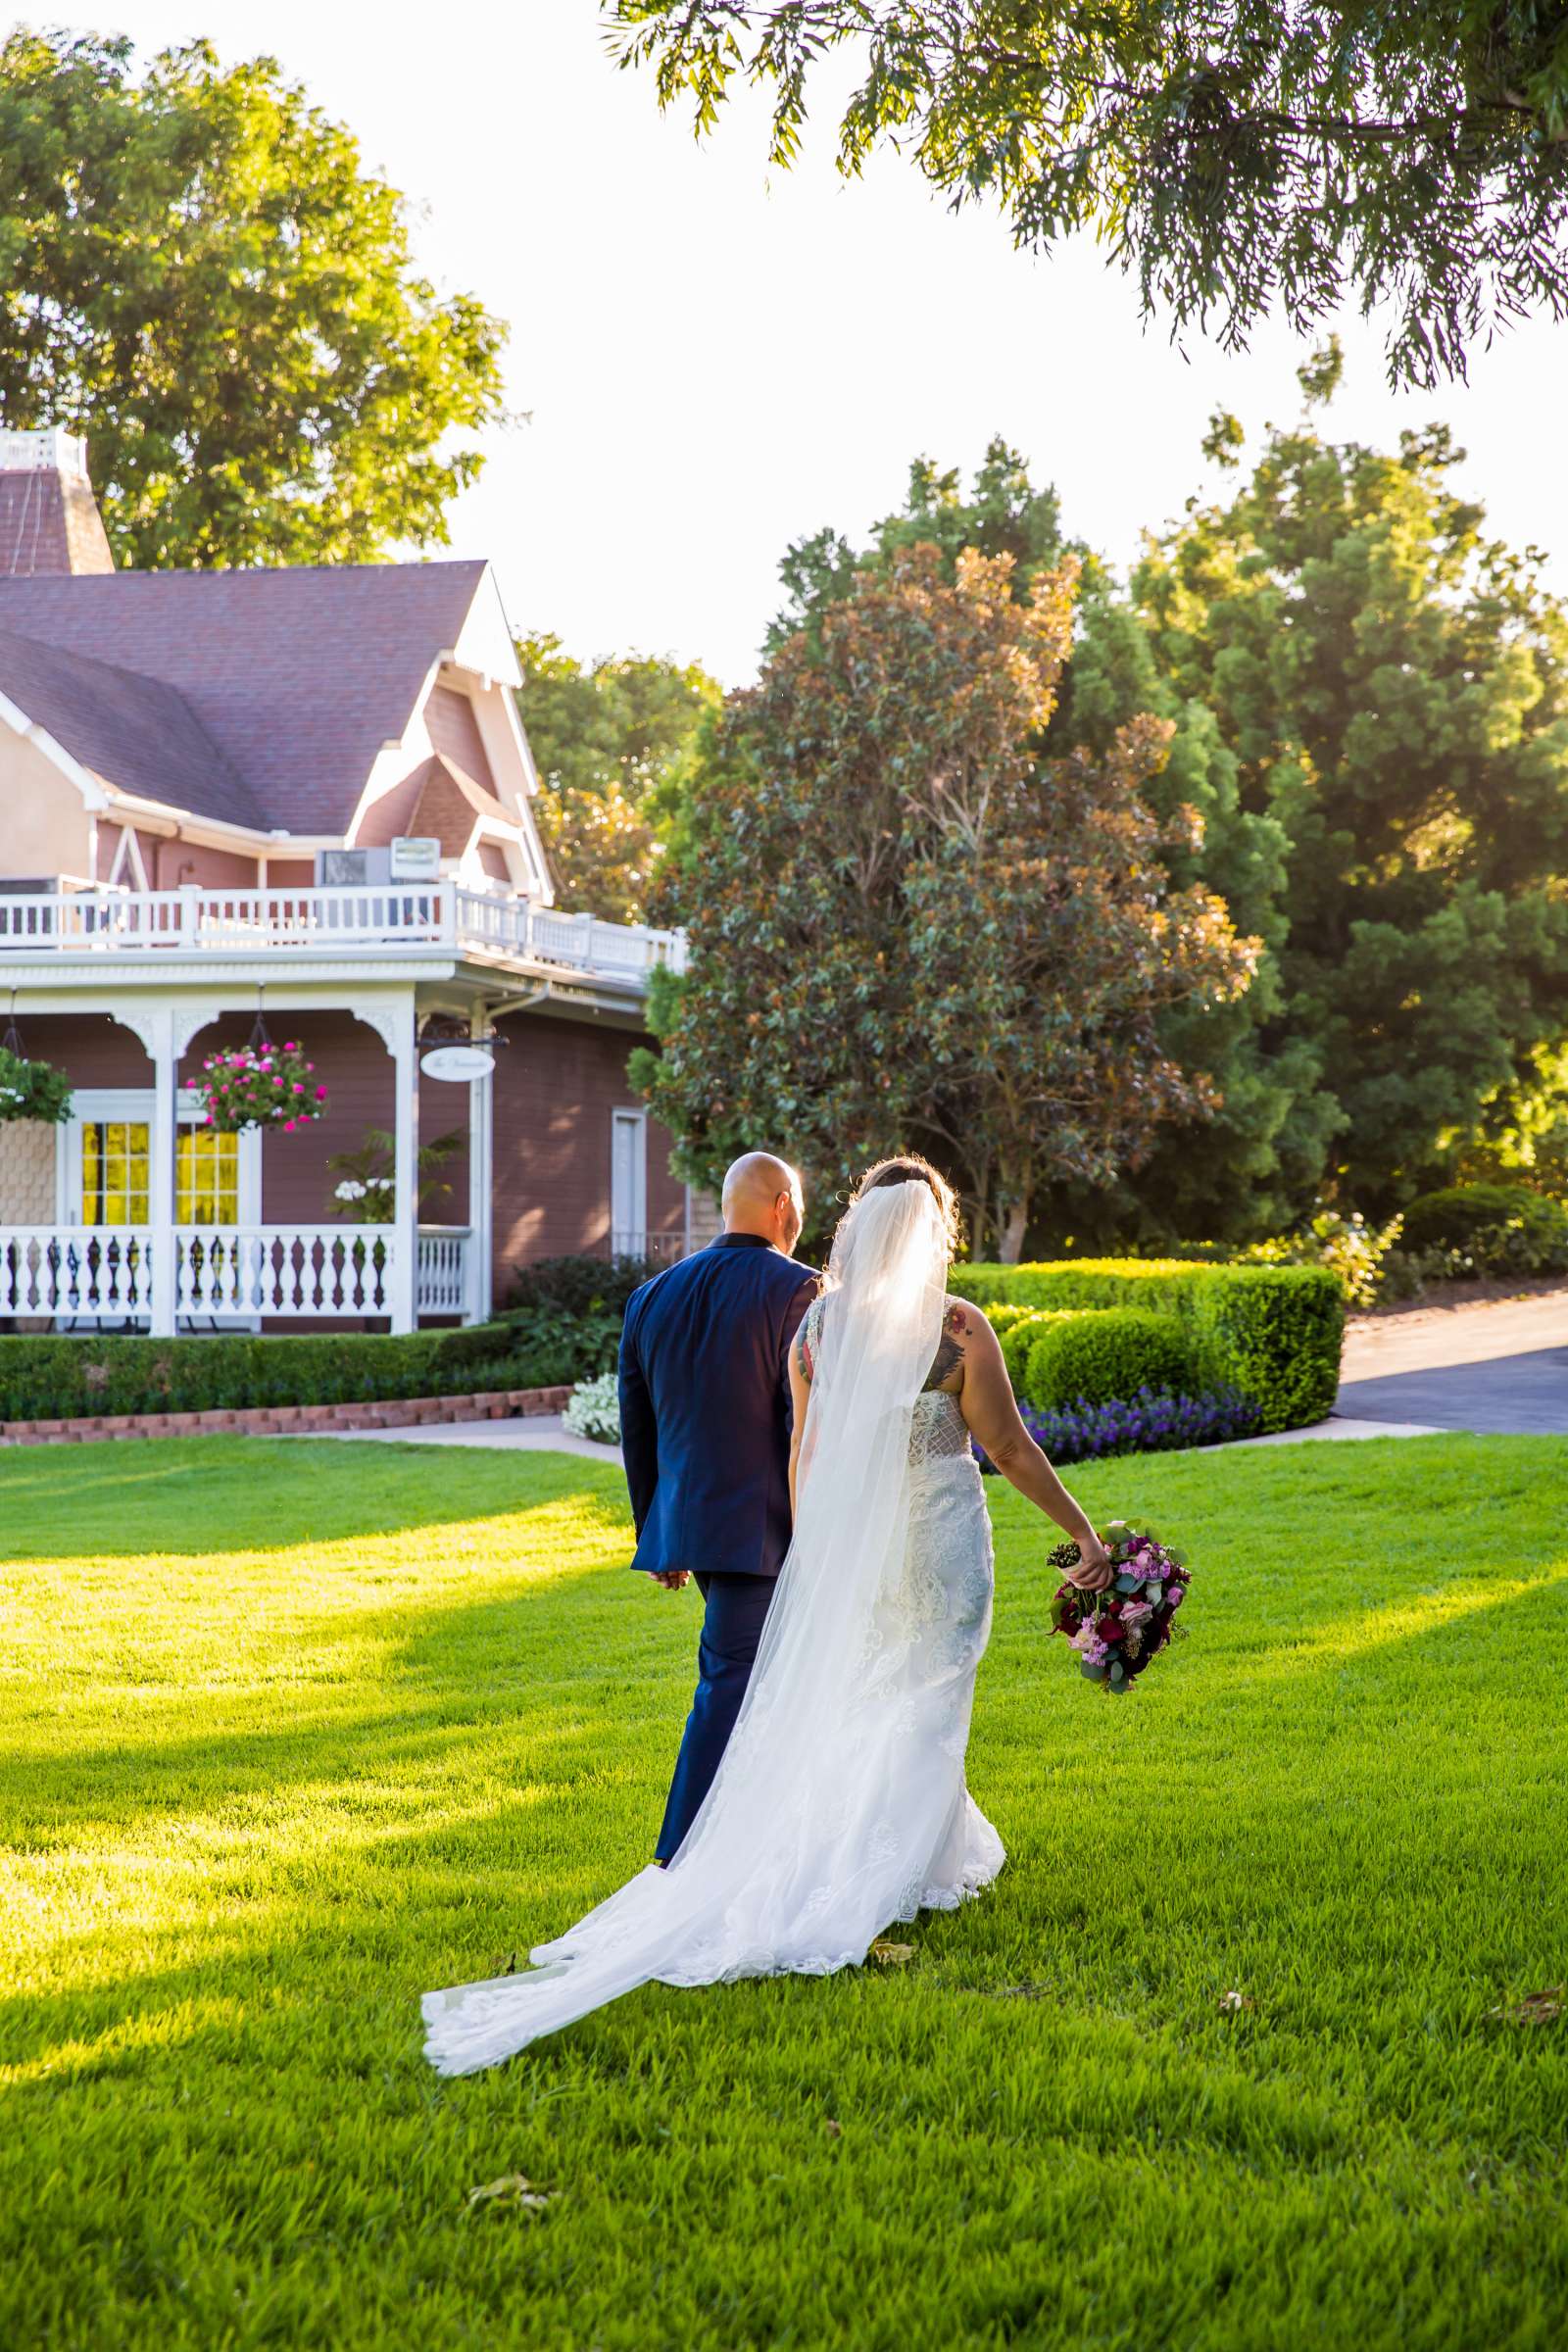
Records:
x=1106, y=1352
x=1155, y=1283
x=51, y=1376
x=579, y=1285
x=1003, y=1314
x=1274, y=1333
x=1447, y=1219
x=1020, y=1335
x=1491, y=1229
x=1271, y=1332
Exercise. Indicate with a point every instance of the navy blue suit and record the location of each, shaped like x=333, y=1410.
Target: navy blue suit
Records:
x=704, y=1427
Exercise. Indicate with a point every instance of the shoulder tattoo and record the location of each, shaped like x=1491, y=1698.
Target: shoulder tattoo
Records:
x=949, y=1347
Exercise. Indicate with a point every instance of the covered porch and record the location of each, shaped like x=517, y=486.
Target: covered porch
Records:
x=134, y=1214
x=142, y=1217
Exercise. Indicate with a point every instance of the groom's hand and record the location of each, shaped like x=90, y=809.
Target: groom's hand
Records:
x=672, y=1578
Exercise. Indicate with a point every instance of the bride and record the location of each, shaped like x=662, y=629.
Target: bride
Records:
x=840, y=1804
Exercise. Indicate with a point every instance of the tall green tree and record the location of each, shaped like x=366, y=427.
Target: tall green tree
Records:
x=197, y=271
x=1388, y=688
x=609, y=741
x=906, y=926
x=1234, y=155
x=1264, y=1135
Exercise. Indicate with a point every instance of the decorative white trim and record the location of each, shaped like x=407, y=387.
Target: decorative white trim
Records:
x=129, y=853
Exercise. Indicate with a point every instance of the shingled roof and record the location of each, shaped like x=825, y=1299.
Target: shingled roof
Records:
x=298, y=677
x=131, y=731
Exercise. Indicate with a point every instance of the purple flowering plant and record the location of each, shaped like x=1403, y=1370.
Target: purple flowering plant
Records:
x=1118, y=1632
x=1153, y=1421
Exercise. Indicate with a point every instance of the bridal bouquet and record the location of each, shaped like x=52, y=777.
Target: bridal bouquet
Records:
x=1116, y=1633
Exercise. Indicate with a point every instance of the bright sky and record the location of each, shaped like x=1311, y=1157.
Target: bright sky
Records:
x=718, y=359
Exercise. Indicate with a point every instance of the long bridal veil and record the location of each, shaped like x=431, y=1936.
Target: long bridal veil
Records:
x=816, y=1830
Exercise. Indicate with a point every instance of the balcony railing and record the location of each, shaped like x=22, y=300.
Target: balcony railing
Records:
x=225, y=1273
x=355, y=919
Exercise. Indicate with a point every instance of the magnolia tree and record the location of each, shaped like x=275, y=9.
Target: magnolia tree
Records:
x=909, y=925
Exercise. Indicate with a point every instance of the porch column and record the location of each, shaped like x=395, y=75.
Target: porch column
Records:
x=481, y=1180
x=160, y=1039
x=402, y=1291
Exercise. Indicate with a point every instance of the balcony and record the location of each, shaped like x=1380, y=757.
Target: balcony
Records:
x=192, y=924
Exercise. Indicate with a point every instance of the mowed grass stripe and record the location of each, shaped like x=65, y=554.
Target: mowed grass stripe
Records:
x=293, y=1731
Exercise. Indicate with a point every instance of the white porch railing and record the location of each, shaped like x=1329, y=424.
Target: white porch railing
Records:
x=441, y=1283
x=225, y=1273
x=363, y=918
x=236, y=1272
x=94, y=1273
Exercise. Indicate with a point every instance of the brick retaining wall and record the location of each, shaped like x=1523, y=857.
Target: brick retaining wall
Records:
x=275, y=1420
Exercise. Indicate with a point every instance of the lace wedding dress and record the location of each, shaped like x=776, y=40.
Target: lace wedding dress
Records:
x=840, y=1805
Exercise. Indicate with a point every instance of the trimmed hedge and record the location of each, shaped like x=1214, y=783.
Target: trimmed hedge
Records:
x=50, y=1376
x=1019, y=1334
x=1271, y=1332
x=1105, y=1353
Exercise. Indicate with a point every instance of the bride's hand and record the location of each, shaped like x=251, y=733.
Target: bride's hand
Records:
x=1093, y=1571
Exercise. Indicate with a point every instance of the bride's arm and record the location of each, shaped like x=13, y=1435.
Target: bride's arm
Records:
x=800, y=1392
x=988, y=1406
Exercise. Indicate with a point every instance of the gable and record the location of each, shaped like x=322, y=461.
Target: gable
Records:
x=45, y=824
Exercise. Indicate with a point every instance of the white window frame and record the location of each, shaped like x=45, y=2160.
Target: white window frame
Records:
x=125, y=1103
x=625, y=1239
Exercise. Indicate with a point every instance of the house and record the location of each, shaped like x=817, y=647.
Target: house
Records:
x=301, y=796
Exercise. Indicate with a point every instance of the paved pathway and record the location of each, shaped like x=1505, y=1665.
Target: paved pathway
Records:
x=1495, y=1365
x=531, y=1431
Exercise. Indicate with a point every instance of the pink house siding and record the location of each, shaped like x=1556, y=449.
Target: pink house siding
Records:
x=556, y=1085
x=454, y=730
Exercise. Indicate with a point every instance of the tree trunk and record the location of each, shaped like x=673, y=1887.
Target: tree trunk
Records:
x=1013, y=1232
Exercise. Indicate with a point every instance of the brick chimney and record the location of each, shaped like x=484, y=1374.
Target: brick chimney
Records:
x=49, y=519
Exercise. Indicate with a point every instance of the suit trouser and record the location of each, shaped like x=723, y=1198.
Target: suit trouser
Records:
x=734, y=1612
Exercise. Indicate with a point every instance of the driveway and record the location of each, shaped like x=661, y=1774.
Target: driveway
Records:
x=1500, y=1365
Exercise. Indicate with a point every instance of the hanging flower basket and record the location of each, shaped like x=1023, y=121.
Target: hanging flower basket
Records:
x=261, y=1085
x=33, y=1090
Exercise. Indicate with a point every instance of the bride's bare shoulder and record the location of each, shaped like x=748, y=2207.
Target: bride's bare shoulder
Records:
x=963, y=1329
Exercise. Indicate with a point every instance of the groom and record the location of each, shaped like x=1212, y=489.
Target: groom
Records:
x=705, y=1426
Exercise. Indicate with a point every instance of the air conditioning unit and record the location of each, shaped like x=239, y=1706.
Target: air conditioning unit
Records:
x=411, y=857
x=347, y=870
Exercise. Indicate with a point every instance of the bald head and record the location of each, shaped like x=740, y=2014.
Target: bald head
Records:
x=762, y=1195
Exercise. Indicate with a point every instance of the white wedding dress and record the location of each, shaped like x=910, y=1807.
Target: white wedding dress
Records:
x=840, y=1805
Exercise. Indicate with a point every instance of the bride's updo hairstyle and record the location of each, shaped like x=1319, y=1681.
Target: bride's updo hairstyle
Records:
x=911, y=1168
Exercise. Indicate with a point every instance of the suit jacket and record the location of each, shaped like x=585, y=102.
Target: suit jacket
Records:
x=704, y=1407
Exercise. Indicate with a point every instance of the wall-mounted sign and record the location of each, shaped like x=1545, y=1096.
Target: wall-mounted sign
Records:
x=456, y=1063
x=416, y=857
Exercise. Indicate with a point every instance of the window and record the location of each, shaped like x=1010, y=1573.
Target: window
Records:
x=114, y=1171
x=206, y=1178
x=628, y=1183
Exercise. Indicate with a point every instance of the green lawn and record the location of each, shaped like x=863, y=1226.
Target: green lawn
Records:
x=293, y=1731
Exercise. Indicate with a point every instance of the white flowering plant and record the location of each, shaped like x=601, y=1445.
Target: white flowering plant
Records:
x=366, y=1191
x=593, y=1409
